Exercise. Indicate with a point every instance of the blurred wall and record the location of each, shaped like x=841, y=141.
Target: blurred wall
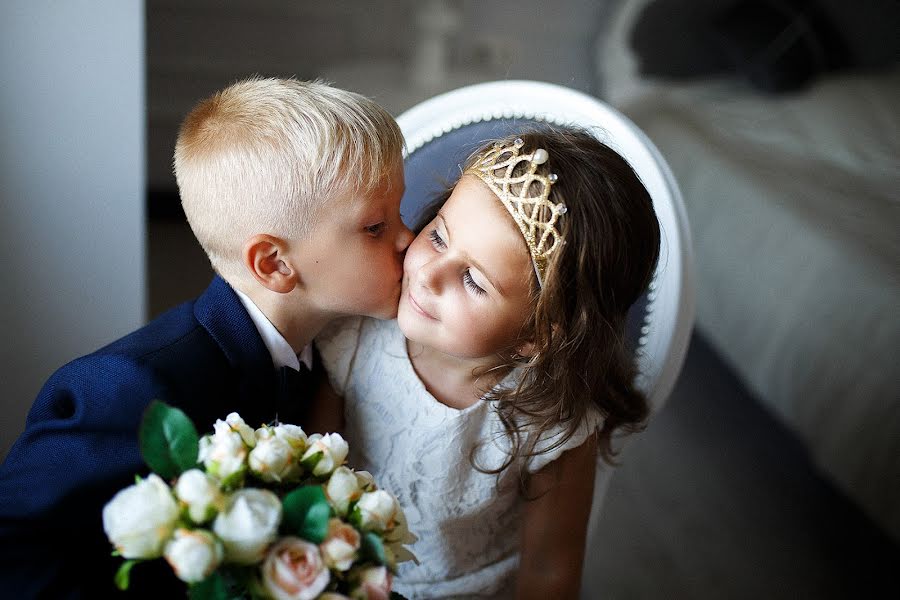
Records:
x=72, y=193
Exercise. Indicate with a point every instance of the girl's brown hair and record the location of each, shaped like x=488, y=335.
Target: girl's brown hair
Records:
x=581, y=359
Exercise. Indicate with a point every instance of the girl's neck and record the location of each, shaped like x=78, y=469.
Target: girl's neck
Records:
x=455, y=382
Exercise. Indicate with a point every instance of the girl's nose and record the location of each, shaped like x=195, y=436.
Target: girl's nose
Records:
x=429, y=275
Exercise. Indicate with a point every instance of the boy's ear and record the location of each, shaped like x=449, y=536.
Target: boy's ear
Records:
x=266, y=258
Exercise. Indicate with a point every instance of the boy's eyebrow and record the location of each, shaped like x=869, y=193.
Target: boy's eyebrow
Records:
x=492, y=280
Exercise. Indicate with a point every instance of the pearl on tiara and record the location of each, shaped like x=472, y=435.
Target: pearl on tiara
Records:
x=535, y=214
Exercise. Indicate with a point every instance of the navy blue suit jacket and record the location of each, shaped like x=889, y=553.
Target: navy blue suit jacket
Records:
x=80, y=441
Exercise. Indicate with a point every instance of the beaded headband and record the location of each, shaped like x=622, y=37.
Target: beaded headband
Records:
x=530, y=207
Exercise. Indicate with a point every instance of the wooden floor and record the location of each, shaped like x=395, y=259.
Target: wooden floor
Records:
x=715, y=500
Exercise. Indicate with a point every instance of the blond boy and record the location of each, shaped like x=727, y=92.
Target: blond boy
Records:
x=293, y=190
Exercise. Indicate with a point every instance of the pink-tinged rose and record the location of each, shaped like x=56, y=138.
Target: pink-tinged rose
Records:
x=340, y=545
x=294, y=570
x=373, y=583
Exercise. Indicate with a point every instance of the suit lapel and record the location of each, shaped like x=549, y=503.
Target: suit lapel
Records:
x=220, y=312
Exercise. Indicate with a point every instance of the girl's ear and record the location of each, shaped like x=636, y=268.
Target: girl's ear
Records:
x=267, y=260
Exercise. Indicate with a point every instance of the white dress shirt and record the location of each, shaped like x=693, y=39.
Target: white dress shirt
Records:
x=282, y=353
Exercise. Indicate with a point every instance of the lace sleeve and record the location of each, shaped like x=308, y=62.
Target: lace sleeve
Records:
x=337, y=344
x=589, y=425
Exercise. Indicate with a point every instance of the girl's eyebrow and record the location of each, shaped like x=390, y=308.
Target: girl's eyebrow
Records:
x=478, y=266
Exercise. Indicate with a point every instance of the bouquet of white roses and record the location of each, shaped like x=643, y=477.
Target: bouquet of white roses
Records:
x=265, y=513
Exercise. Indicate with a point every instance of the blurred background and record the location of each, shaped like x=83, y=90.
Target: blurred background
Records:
x=774, y=469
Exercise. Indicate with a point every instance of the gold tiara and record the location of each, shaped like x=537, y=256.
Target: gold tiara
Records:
x=530, y=206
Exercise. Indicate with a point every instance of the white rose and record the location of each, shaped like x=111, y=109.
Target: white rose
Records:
x=334, y=452
x=293, y=570
x=376, y=510
x=273, y=459
x=200, y=493
x=248, y=525
x=223, y=453
x=140, y=518
x=342, y=488
x=246, y=432
x=193, y=554
x=340, y=545
x=293, y=435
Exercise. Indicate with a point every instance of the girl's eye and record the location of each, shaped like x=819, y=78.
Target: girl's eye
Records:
x=470, y=283
x=375, y=230
x=436, y=240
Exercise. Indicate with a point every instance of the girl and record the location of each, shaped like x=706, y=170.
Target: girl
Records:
x=485, y=404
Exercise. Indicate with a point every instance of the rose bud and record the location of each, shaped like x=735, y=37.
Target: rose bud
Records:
x=194, y=554
x=373, y=583
x=140, y=518
x=272, y=459
x=200, y=493
x=333, y=449
x=223, y=453
x=342, y=488
x=248, y=525
x=340, y=545
x=376, y=510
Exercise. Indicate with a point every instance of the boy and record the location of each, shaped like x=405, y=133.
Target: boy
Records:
x=293, y=190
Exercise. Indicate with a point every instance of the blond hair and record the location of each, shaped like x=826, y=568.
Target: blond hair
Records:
x=264, y=155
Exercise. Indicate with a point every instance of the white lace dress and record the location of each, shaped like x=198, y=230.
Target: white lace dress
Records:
x=467, y=522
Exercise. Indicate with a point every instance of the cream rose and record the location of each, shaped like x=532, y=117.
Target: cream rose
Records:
x=224, y=453
x=340, y=545
x=376, y=510
x=200, y=493
x=342, y=489
x=237, y=424
x=273, y=458
x=248, y=525
x=193, y=554
x=373, y=583
x=140, y=518
x=293, y=435
x=293, y=570
x=333, y=449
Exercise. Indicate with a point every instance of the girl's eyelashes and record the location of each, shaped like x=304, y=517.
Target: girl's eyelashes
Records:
x=470, y=283
x=376, y=229
x=436, y=240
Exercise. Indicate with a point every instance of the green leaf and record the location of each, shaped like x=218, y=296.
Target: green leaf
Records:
x=306, y=512
x=169, y=441
x=211, y=588
x=310, y=462
x=372, y=548
x=123, y=575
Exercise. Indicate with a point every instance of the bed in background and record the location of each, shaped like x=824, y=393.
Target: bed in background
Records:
x=794, y=205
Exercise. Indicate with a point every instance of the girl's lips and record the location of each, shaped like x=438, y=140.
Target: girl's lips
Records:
x=418, y=308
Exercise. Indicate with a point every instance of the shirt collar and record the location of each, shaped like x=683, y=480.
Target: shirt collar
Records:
x=282, y=353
